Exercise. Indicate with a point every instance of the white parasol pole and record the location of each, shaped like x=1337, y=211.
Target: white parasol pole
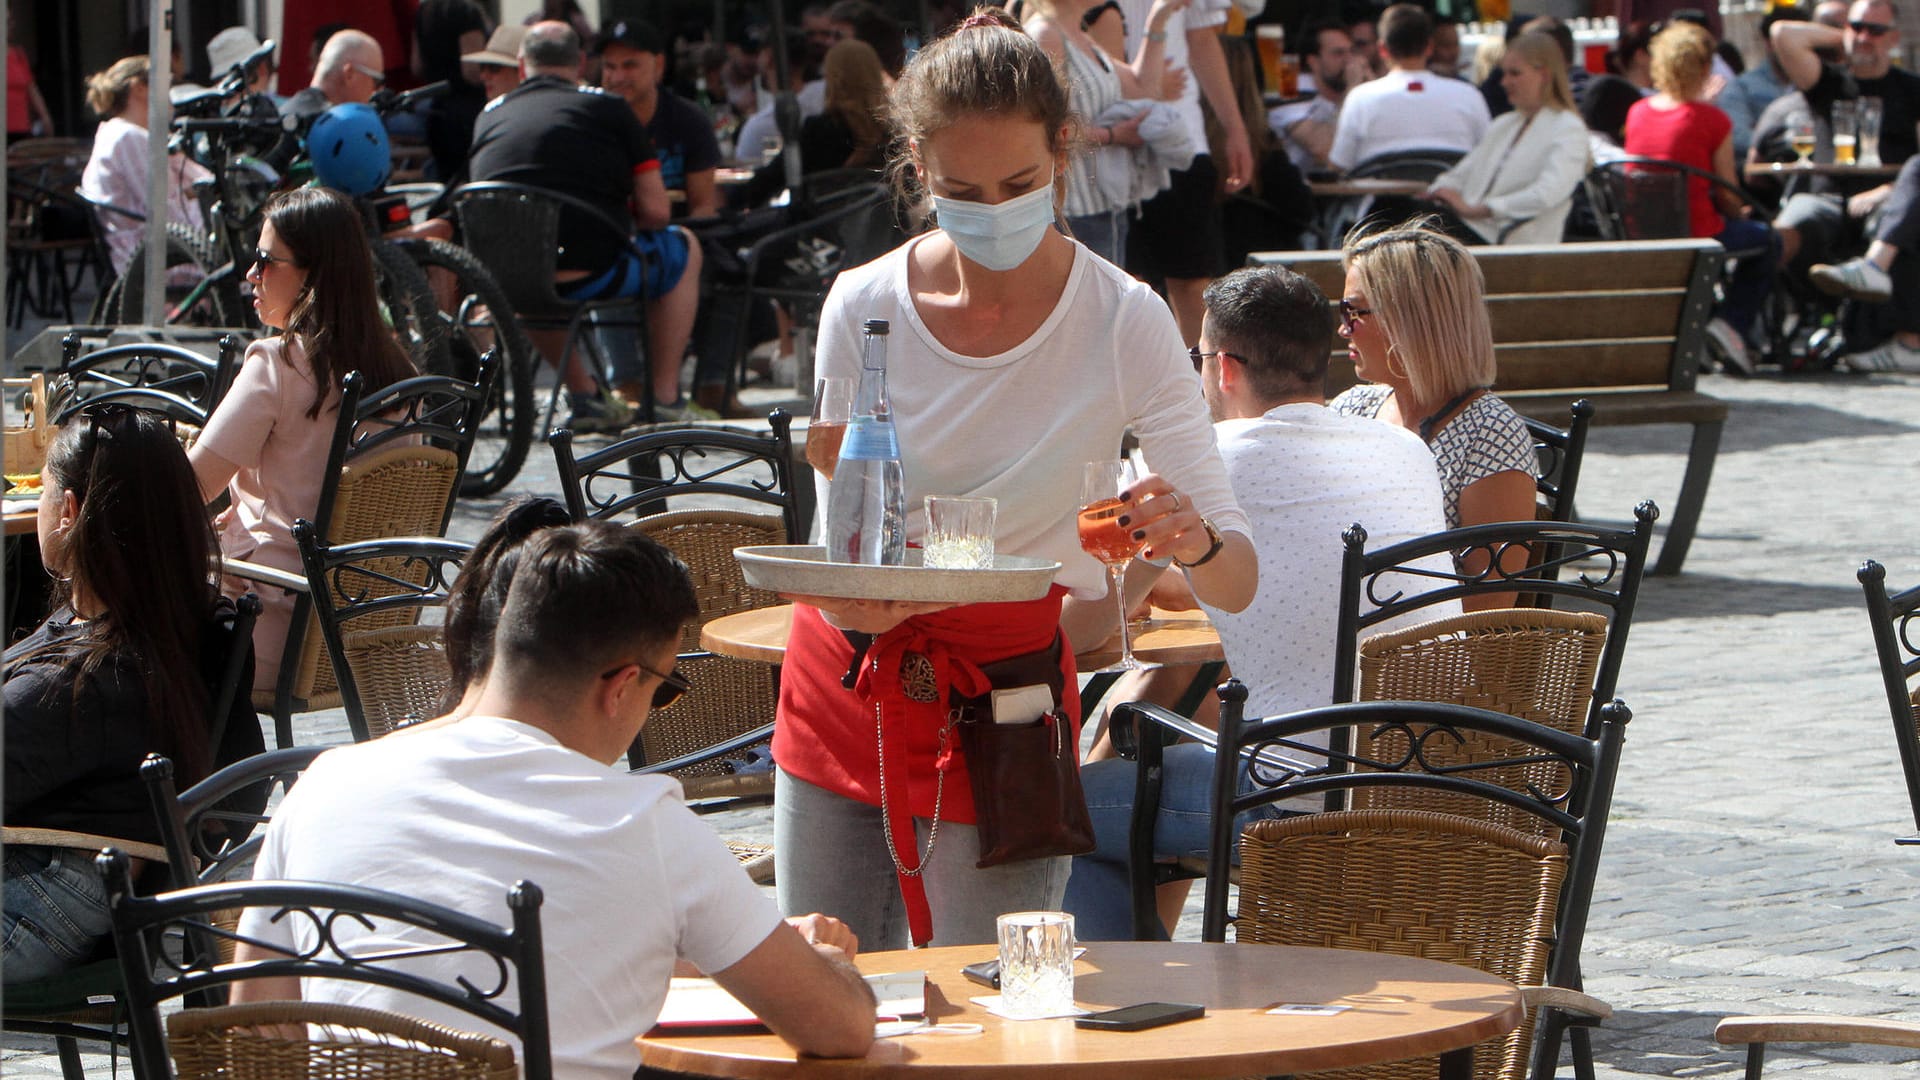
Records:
x=159, y=82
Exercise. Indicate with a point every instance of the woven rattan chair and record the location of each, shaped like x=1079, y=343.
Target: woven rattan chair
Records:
x=343, y=1041
x=727, y=720
x=1538, y=665
x=1896, y=643
x=368, y=596
x=1755, y=1032
x=1607, y=566
x=153, y=977
x=1409, y=881
x=85, y=1003
x=393, y=469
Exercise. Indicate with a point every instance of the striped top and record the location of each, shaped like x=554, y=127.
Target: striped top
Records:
x=1092, y=86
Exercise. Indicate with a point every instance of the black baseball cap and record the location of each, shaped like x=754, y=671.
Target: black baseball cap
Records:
x=634, y=34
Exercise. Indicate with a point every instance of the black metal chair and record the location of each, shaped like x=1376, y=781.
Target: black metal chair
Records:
x=514, y=230
x=1561, y=454
x=148, y=366
x=797, y=262
x=1896, y=643
x=47, y=222
x=1379, y=586
x=390, y=666
x=712, y=739
x=85, y=1003
x=1301, y=877
x=393, y=469
x=320, y=913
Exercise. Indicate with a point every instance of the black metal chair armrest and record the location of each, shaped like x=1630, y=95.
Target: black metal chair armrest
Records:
x=710, y=753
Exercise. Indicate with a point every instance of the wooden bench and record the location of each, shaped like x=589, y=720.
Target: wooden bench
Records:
x=1622, y=324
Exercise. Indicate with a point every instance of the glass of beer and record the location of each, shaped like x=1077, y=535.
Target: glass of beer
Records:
x=832, y=408
x=1801, y=135
x=1271, y=41
x=1103, y=537
x=1846, y=127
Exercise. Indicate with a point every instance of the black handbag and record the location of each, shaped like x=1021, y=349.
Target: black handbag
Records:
x=1027, y=799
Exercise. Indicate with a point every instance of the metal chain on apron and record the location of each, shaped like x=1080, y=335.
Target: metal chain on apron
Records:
x=940, y=781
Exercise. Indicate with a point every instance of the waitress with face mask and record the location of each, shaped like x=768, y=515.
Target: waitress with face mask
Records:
x=1016, y=356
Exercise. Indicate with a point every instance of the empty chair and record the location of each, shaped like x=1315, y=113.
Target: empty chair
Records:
x=1896, y=644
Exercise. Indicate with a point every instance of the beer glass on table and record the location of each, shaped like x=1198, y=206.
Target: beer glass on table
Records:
x=1846, y=127
x=1103, y=537
x=1872, y=111
x=832, y=408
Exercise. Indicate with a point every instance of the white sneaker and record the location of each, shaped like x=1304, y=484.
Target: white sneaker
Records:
x=1731, y=347
x=1890, y=355
x=1856, y=278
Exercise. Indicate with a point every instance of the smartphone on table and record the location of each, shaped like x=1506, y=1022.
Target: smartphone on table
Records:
x=1152, y=1014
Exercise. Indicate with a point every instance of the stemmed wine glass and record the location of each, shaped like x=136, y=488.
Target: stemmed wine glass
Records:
x=1801, y=138
x=832, y=410
x=1103, y=537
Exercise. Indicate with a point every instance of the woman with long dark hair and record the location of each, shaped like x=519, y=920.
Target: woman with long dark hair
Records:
x=266, y=444
x=122, y=668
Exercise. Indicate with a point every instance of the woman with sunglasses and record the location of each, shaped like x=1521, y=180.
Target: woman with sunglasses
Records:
x=1414, y=313
x=1017, y=356
x=267, y=442
x=124, y=667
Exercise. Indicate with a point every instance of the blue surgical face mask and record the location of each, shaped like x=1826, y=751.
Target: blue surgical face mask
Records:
x=1000, y=236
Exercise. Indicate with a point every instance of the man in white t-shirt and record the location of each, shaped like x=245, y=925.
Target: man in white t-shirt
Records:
x=1303, y=473
x=523, y=788
x=1408, y=108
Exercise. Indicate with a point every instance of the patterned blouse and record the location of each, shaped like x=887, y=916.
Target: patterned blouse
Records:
x=1485, y=438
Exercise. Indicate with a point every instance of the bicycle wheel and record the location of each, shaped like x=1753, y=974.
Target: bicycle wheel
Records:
x=410, y=308
x=478, y=317
x=218, y=303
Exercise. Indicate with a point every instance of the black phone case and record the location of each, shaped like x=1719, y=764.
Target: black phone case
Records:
x=1164, y=1013
x=986, y=973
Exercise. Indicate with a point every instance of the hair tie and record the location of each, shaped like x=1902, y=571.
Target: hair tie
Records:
x=982, y=19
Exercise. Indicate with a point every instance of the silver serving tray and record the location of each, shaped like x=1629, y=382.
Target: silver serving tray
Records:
x=803, y=569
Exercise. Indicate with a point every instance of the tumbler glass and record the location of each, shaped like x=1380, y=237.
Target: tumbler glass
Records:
x=959, y=533
x=1036, y=964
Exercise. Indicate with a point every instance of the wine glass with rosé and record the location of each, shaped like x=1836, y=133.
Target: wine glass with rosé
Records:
x=1103, y=537
x=832, y=410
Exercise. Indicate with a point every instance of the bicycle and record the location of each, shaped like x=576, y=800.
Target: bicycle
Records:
x=247, y=147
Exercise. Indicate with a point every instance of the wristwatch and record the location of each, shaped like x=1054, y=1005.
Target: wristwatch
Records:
x=1156, y=35
x=1213, y=534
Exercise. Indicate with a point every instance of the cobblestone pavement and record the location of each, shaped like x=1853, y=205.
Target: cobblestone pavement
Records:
x=1749, y=866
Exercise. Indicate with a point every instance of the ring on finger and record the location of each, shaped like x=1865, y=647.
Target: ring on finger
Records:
x=1179, y=502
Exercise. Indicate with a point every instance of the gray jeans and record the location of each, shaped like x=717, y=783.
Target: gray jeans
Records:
x=830, y=856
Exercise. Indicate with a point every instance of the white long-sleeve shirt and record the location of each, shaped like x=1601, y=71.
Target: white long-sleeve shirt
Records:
x=1020, y=425
x=116, y=174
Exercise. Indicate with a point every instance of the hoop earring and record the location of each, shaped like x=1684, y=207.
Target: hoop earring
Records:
x=1401, y=375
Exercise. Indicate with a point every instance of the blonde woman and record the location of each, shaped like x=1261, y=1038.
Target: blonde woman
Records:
x=1516, y=186
x=1414, y=313
x=851, y=132
x=1676, y=124
x=116, y=173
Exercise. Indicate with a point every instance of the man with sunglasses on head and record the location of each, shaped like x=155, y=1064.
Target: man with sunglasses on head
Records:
x=351, y=67
x=525, y=787
x=1832, y=221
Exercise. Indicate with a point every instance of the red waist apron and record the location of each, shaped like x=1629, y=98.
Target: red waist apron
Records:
x=832, y=735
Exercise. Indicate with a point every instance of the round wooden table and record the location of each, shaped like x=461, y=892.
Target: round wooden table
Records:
x=1170, y=637
x=1398, y=1008
x=1787, y=170
x=22, y=522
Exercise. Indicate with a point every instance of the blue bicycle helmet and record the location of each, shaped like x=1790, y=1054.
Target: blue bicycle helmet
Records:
x=348, y=145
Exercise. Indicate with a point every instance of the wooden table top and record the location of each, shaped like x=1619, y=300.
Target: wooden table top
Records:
x=1170, y=637
x=1340, y=189
x=1787, y=170
x=1399, y=1008
x=22, y=522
